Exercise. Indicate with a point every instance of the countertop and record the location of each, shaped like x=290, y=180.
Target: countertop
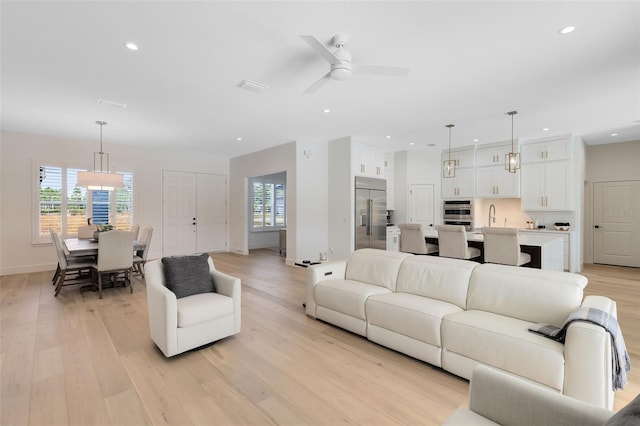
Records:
x=530, y=238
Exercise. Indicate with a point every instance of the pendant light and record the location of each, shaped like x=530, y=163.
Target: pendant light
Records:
x=512, y=159
x=101, y=179
x=449, y=166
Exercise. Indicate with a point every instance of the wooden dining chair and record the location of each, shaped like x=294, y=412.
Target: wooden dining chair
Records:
x=70, y=271
x=86, y=232
x=140, y=257
x=135, y=229
x=114, y=258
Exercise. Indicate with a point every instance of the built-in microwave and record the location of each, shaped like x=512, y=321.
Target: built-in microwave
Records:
x=458, y=212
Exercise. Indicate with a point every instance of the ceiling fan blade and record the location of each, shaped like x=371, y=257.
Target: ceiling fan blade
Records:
x=315, y=86
x=321, y=49
x=380, y=69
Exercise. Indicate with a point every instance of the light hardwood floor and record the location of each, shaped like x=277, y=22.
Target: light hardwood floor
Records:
x=79, y=360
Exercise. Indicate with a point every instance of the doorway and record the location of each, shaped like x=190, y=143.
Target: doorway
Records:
x=421, y=203
x=616, y=223
x=193, y=213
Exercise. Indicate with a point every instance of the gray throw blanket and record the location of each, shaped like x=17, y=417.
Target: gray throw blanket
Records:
x=620, y=357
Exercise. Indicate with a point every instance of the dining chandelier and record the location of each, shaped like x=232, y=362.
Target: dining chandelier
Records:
x=101, y=179
x=512, y=159
x=449, y=166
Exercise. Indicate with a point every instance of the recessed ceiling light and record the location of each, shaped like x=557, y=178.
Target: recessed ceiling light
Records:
x=476, y=140
x=566, y=30
x=546, y=129
x=412, y=143
x=239, y=139
x=131, y=46
x=614, y=134
x=326, y=110
x=388, y=137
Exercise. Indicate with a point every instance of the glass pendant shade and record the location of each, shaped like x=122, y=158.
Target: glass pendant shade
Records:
x=102, y=179
x=512, y=159
x=449, y=165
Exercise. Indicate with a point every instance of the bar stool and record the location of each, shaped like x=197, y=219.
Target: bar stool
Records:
x=412, y=239
x=501, y=246
x=452, y=241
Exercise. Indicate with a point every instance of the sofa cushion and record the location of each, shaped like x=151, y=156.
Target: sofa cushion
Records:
x=437, y=278
x=202, y=307
x=504, y=343
x=413, y=316
x=376, y=267
x=532, y=295
x=346, y=296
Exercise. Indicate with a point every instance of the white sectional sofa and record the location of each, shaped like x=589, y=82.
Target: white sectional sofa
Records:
x=458, y=314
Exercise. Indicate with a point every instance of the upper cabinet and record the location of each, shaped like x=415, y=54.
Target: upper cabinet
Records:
x=389, y=175
x=367, y=160
x=462, y=185
x=548, y=150
x=547, y=175
x=492, y=180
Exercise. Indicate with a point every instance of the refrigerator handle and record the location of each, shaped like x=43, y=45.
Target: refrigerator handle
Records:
x=369, y=211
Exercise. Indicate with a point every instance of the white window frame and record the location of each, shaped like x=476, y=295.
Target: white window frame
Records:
x=36, y=238
x=267, y=180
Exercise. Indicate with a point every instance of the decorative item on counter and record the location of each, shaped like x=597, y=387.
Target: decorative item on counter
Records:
x=561, y=226
x=529, y=224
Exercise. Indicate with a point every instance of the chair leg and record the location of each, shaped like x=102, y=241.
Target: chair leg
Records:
x=60, y=281
x=56, y=275
x=99, y=284
x=141, y=267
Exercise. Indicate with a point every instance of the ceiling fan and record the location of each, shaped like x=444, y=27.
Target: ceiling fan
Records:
x=341, y=65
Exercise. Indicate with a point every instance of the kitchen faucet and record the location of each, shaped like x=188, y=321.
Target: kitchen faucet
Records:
x=492, y=207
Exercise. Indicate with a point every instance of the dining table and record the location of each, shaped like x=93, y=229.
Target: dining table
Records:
x=89, y=247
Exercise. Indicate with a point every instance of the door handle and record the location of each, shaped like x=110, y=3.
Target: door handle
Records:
x=597, y=226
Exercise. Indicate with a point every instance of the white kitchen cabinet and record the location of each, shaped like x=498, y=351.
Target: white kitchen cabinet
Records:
x=496, y=182
x=389, y=175
x=464, y=157
x=393, y=238
x=367, y=160
x=546, y=186
x=493, y=154
x=460, y=186
x=547, y=150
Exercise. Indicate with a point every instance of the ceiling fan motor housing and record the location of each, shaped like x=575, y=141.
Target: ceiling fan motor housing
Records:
x=342, y=70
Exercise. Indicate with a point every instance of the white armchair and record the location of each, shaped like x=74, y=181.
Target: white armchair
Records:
x=181, y=324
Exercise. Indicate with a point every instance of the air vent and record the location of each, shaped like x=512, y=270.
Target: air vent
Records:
x=252, y=86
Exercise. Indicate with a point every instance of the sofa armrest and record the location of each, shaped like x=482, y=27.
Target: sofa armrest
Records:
x=163, y=309
x=588, y=362
x=509, y=400
x=335, y=270
x=231, y=287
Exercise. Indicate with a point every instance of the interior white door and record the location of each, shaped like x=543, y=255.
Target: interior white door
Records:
x=179, y=213
x=616, y=220
x=421, y=204
x=211, y=229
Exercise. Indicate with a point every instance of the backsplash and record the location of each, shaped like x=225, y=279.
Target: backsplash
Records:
x=511, y=210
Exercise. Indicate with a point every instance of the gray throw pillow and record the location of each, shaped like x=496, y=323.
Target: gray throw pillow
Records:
x=629, y=415
x=188, y=275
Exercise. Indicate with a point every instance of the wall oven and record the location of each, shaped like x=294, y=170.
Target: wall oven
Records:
x=458, y=212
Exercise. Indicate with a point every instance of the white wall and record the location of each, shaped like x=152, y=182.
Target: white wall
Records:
x=606, y=163
x=19, y=150
x=306, y=196
x=416, y=167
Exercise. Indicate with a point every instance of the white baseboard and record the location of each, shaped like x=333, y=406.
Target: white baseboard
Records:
x=26, y=269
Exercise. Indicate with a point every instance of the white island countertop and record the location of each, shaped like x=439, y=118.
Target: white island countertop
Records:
x=549, y=244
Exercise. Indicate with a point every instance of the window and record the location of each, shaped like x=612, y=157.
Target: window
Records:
x=64, y=206
x=268, y=202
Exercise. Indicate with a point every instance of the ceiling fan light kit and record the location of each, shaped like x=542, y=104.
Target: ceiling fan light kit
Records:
x=341, y=66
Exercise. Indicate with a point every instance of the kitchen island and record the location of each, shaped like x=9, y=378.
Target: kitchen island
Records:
x=547, y=251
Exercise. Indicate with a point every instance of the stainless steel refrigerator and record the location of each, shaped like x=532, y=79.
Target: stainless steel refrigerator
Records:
x=371, y=213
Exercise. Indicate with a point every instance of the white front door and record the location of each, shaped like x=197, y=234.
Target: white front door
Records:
x=179, y=213
x=421, y=204
x=616, y=221
x=211, y=230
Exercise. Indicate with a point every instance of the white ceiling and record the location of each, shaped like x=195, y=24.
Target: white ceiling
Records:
x=470, y=63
